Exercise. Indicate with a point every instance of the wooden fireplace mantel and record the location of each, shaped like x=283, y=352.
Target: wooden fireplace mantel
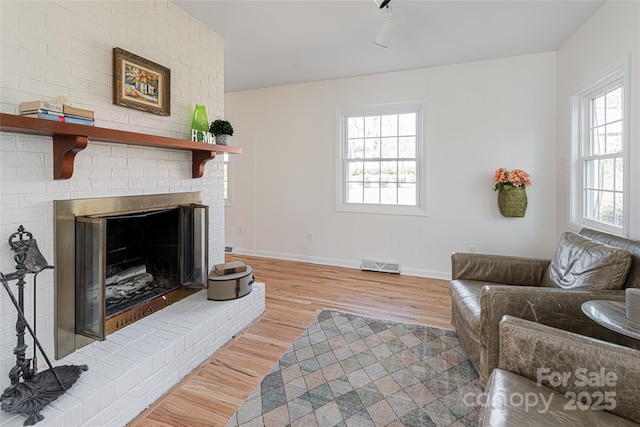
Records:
x=70, y=139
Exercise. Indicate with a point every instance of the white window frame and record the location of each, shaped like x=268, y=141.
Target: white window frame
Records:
x=580, y=134
x=420, y=209
x=226, y=161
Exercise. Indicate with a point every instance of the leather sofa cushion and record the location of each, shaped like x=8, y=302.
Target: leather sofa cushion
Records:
x=465, y=295
x=584, y=263
x=513, y=400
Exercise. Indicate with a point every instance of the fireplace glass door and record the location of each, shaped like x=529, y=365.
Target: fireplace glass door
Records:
x=130, y=265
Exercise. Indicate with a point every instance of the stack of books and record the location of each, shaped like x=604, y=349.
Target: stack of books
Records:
x=57, y=112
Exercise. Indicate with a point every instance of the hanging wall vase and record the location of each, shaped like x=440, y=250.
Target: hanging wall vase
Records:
x=512, y=201
x=199, y=124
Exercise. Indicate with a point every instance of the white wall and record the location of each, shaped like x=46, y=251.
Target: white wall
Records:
x=65, y=48
x=480, y=116
x=609, y=39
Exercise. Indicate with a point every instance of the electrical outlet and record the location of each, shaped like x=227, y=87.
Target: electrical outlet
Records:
x=240, y=230
x=309, y=237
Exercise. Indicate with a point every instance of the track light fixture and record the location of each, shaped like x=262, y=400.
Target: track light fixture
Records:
x=388, y=26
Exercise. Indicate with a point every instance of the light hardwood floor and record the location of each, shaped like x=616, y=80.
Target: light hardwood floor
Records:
x=295, y=293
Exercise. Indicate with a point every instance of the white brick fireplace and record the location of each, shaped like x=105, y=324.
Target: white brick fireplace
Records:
x=136, y=365
x=64, y=49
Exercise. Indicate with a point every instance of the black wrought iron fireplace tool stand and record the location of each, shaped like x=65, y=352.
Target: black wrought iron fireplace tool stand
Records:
x=30, y=391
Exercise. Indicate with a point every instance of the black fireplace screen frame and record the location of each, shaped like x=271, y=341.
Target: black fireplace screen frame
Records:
x=163, y=243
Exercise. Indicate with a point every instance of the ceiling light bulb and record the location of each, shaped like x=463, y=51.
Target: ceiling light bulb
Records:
x=385, y=32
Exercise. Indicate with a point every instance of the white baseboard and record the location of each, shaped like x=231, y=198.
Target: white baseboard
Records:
x=336, y=262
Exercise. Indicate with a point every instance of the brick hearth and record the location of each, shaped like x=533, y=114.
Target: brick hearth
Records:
x=138, y=364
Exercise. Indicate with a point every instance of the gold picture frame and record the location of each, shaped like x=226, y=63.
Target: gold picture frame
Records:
x=141, y=84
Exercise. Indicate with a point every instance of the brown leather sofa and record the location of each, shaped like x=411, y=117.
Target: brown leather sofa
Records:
x=486, y=287
x=541, y=368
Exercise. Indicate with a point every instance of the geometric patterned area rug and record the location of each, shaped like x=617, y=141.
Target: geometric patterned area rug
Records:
x=350, y=370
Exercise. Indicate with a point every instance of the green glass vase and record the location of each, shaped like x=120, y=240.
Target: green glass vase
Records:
x=199, y=124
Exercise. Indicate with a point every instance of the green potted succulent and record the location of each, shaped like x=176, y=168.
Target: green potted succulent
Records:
x=222, y=130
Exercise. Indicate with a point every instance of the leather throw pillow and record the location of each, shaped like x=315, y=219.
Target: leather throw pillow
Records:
x=582, y=263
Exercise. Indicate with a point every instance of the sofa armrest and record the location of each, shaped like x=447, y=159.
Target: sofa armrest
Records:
x=554, y=307
x=498, y=269
x=571, y=363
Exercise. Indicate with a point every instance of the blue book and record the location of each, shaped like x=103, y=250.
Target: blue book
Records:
x=46, y=116
x=78, y=120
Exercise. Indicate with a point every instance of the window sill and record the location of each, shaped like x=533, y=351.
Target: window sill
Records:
x=579, y=224
x=382, y=209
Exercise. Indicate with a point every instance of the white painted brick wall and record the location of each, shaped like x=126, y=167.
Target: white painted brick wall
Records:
x=65, y=48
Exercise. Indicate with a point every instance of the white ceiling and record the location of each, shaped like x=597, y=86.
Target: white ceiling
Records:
x=270, y=43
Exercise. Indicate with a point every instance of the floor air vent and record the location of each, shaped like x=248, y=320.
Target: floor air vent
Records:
x=228, y=249
x=380, y=266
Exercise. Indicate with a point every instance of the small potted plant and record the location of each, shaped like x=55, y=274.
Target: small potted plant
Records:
x=222, y=130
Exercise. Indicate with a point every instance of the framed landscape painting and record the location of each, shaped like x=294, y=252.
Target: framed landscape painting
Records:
x=141, y=84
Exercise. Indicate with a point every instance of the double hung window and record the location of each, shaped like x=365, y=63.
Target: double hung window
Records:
x=225, y=175
x=601, y=186
x=380, y=165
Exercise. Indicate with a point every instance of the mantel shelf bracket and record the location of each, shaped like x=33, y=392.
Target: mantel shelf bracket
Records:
x=199, y=159
x=65, y=148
